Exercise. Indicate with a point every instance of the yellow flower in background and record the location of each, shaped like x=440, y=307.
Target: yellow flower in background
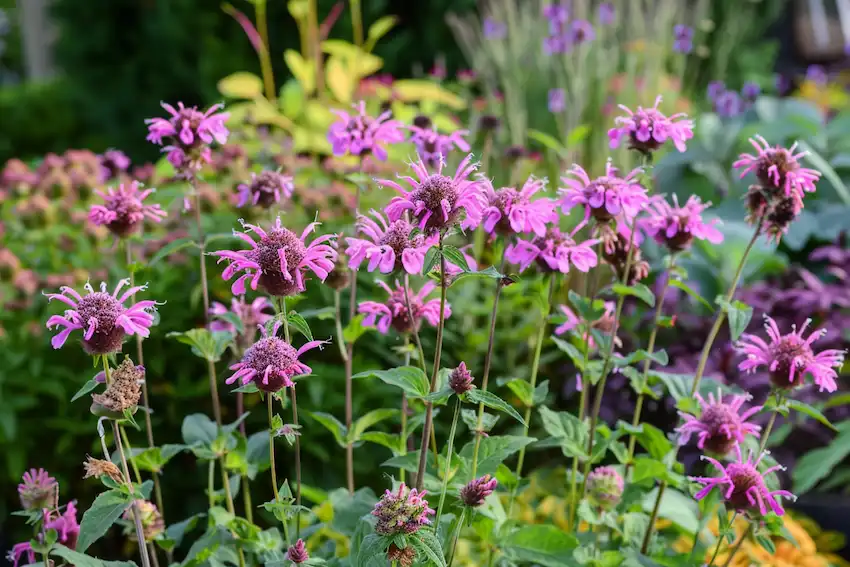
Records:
x=829, y=97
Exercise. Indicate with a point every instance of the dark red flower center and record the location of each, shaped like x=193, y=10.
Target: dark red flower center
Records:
x=432, y=192
x=274, y=353
x=790, y=350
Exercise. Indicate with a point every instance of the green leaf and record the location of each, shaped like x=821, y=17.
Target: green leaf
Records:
x=828, y=172
x=355, y=329
x=426, y=543
x=494, y=450
x=432, y=256
x=106, y=508
x=638, y=290
x=684, y=287
x=388, y=440
x=373, y=417
x=197, y=428
x=372, y=552
x=766, y=543
x=646, y=467
x=572, y=433
x=349, y=508
x=78, y=559
x=494, y=402
x=470, y=418
x=546, y=140
x=300, y=324
x=651, y=438
x=87, y=387
x=410, y=379
x=489, y=272
x=575, y=355
x=539, y=544
x=810, y=411
x=522, y=390
x=155, y=458
x=675, y=506
x=677, y=385
x=378, y=30
x=818, y=463
x=455, y=256
x=171, y=248
x=206, y=344
x=739, y=314
x=332, y=424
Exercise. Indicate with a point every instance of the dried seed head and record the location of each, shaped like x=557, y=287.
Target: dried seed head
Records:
x=96, y=468
x=123, y=392
x=405, y=557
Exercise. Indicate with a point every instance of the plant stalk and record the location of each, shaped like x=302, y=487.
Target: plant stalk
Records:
x=137, y=518
x=738, y=545
x=447, y=468
x=265, y=59
x=460, y=520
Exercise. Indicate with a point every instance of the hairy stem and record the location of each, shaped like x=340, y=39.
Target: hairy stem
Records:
x=211, y=482
x=429, y=407
x=456, y=537
x=447, y=468
x=246, y=496
x=295, y=424
x=403, y=439
x=137, y=518
x=272, y=468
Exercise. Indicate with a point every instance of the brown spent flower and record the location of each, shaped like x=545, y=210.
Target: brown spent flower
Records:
x=405, y=557
x=124, y=391
x=96, y=468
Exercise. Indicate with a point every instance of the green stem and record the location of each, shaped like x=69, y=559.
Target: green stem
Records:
x=403, y=445
x=429, y=407
x=246, y=495
x=448, y=465
x=715, y=329
x=650, y=349
x=211, y=482
x=766, y=433
x=357, y=22
x=347, y=351
x=535, y=365
x=488, y=359
x=738, y=545
x=286, y=335
x=456, y=537
x=137, y=518
x=415, y=331
x=135, y=467
x=270, y=411
x=265, y=59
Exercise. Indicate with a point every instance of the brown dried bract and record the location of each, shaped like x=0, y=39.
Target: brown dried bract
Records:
x=96, y=468
x=124, y=391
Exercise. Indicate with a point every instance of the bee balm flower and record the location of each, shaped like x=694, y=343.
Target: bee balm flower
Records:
x=402, y=512
x=38, y=490
x=778, y=168
x=388, y=246
x=605, y=486
x=188, y=133
x=720, y=425
x=554, y=252
x=265, y=189
x=124, y=210
x=360, y=134
x=605, y=197
x=676, y=226
x=513, y=211
x=648, y=129
x=394, y=311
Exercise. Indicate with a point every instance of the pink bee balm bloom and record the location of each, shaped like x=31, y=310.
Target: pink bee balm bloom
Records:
x=38, y=490
x=388, y=246
x=511, y=211
x=101, y=316
x=555, y=252
x=436, y=201
x=648, y=129
x=605, y=197
x=250, y=314
x=280, y=260
x=744, y=485
x=271, y=362
x=434, y=147
x=605, y=486
x=402, y=512
x=66, y=526
x=778, y=168
x=124, y=210
x=188, y=133
x=676, y=226
x=20, y=550
x=265, y=189
x=721, y=425
x=113, y=162
x=790, y=357
x=394, y=311
x=360, y=134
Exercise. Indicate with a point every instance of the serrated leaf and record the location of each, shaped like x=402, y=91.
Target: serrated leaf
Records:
x=575, y=355
x=470, y=418
x=299, y=324
x=493, y=401
x=572, y=434
x=690, y=291
x=489, y=272
x=638, y=290
x=739, y=315
x=206, y=344
x=815, y=465
x=170, y=248
x=426, y=542
x=410, y=379
x=87, y=387
x=494, y=450
x=810, y=411
x=106, y=508
x=432, y=256
x=455, y=256
x=388, y=440
x=332, y=424
x=522, y=390
x=78, y=559
x=372, y=551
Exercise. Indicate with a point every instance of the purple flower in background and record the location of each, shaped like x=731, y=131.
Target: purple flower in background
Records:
x=113, y=163
x=782, y=84
x=360, y=134
x=683, y=38
x=817, y=75
x=394, y=311
x=557, y=100
x=434, y=147
x=556, y=13
x=554, y=44
x=581, y=31
x=188, y=133
x=604, y=197
x=607, y=13
x=648, y=129
x=19, y=550
x=676, y=226
x=265, y=189
x=123, y=210
x=728, y=104
x=250, y=315
x=750, y=91
x=513, y=211
x=715, y=89
x=494, y=29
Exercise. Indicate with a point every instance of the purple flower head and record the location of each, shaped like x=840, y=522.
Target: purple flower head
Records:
x=683, y=38
x=388, y=246
x=460, y=380
x=715, y=89
x=648, y=129
x=557, y=13
x=721, y=425
x=66, y=526
x=188, y=134
x=394, y=311
x=817, y=74
x=728, y=104
x=606, y=197
x=607, y=13
x=19, y=550
x=113, y=163
x=750, y=91
x=401, y=512
x=790, y=357
x=280, y=260
x=511, y=211
x=265, y=189
x=271, y=362
x=557, y=100
x=778, y=168
x=477, y=490
x=494, y=29
x=554, y=44
x=38, y=490
x=124, y=210
x=745, y=489
x=616, y=244
x=360, y=134
x=298, y=553
x=436, y=201
x=605, y=487
x=581, y=31
x=676, y=226
x=434, y=147
x=605, y=323
x=555, y=252
x=101, y=316
x=250, y=314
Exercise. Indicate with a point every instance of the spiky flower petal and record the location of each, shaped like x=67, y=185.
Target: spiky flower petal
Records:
x=404, y=511
x=720, y=425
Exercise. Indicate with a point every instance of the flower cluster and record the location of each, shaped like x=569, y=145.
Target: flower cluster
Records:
x=556, y=251
x=477, y=490
x=647, y=129
x=389, y=246
x=404, y=511
x=721, y=425
x=265, y=189
x=361, y=135
x=515, y=211
x=729, y=103
x=403, y=309
x=564, y=34
x=676, y=226
x=605, y=487
x=124, y=210
x=434, y=147
x=187, y=134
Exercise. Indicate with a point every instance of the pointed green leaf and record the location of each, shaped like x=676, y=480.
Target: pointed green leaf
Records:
x=684, y=287
x=810, y=411
x=372, y=418
x=410, y=379
x=638, y=290
x=493, y=401
x=739, y=315
x=87, y=387
x=539, y=544
x=456, y=257
x=106, y=508
x=171, y=248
